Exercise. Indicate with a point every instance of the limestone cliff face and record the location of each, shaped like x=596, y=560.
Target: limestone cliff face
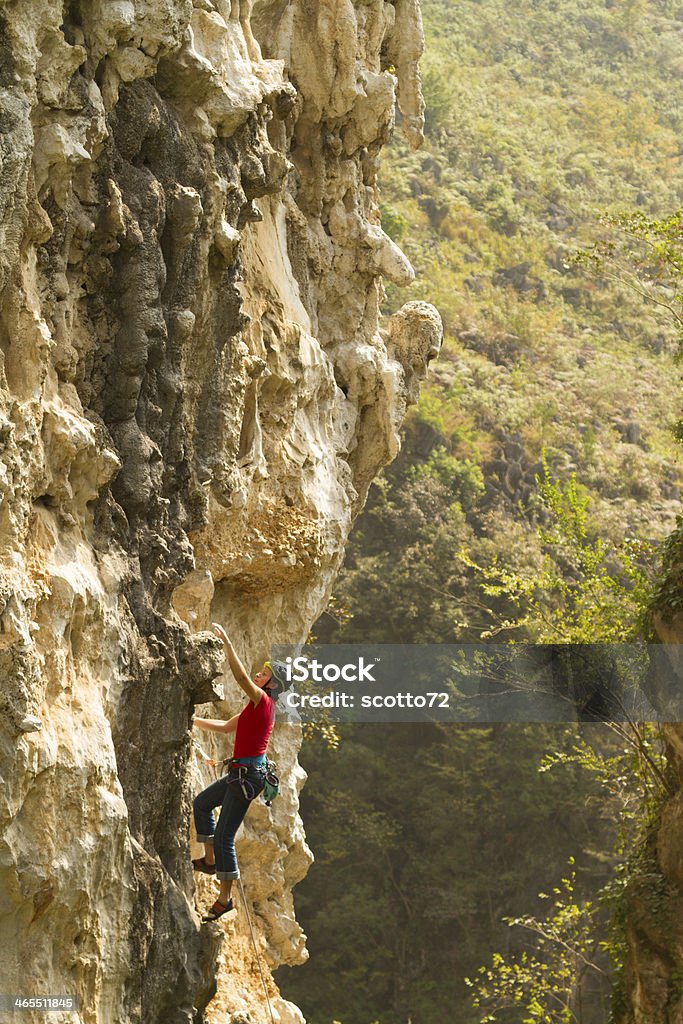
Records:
x=195, y=393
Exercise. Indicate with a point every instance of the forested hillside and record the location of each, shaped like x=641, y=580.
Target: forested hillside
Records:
x=544, y=119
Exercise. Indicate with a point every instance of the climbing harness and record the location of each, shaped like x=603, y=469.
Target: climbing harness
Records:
x=271, y=782
x=258, y=958
x=249, y=790
x=271, y=786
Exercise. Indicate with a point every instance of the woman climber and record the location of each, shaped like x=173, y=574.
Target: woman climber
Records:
x=246, y=772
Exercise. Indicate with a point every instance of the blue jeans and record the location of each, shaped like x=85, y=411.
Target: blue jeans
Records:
x=229, y=794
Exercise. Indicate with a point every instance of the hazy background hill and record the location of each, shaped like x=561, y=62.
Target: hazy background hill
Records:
x=542, y=117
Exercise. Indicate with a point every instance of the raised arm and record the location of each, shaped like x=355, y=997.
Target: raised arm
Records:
x=253, y=692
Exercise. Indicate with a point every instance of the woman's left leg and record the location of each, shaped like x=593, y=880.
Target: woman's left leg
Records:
x=233, y=811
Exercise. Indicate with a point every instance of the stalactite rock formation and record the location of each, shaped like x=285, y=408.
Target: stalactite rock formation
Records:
x=195, y=393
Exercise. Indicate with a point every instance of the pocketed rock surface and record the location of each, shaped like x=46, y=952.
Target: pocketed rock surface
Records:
x=195, y=393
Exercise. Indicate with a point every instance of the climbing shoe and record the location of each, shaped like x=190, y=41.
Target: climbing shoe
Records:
x=217, y=910
x=201, y=865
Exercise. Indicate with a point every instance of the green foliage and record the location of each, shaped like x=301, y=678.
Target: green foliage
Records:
x=645, y=253
x=541, y=117
x=437, y=89
x=543, y=987
x=393, y=222
x=425, y=838
x=574, y=936
x=411, y=589
x=667, y=598
x=587, y=591
x=461, y=477
x=543, y=120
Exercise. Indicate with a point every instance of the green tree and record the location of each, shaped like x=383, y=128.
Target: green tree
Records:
x=546, y=989
x=579, y=938
x=588, y=590
x=426, y=838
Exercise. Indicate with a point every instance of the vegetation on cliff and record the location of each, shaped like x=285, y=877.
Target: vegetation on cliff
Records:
x=540, y=469
x=541, y=119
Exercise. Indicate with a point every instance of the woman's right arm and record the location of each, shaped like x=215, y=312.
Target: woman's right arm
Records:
x=253, y=692
x=215, y=724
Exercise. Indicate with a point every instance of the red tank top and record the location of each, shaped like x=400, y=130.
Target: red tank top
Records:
x=254, y=727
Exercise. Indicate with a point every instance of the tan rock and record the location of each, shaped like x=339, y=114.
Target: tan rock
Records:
x=195, y=393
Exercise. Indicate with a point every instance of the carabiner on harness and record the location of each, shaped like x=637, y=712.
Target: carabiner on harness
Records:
x=271, y=786
x=249, y=790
